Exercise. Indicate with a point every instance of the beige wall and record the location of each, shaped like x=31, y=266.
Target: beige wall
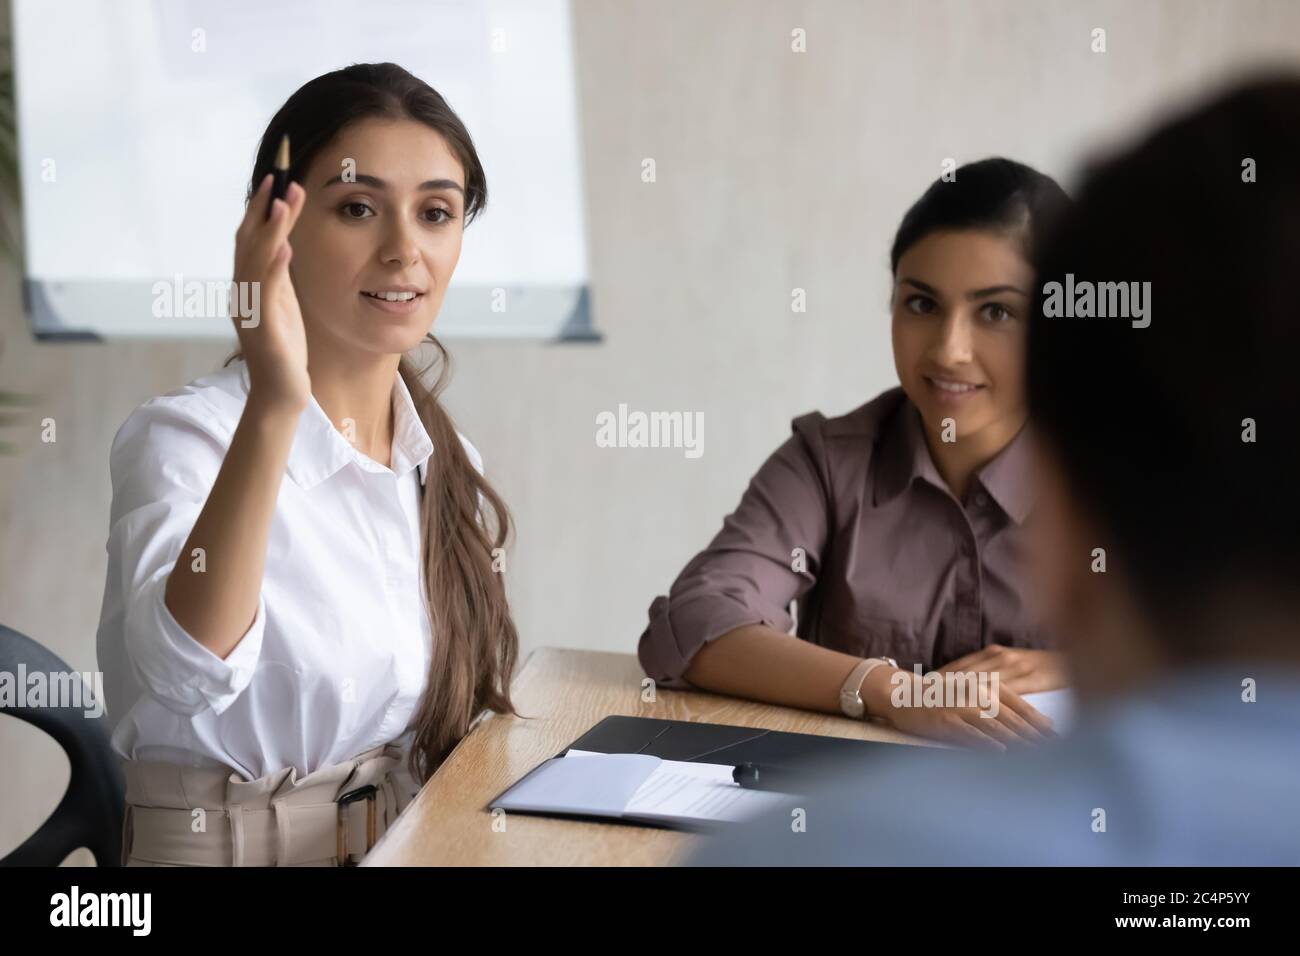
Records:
x=775, y=170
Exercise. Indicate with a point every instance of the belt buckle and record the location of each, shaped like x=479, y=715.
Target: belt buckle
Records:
x=367, y=793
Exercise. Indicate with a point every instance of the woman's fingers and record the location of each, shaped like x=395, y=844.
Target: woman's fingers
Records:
x=994, y=728
x=295, y=197
x=1020, y=726
x=969, y=661
x=1023, y=684
x=982, y=660
x=294, y=200
x=960, y=732
x=277, y=272
x=1007, y=676
x=284, y=213
x=1028, y=711
x=255, y=211
x=259, y=242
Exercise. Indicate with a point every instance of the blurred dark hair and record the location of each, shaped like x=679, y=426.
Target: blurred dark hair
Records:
x=993, y=194
x=1147, y=423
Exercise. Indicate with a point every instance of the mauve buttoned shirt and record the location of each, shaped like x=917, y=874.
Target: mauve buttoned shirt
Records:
x=850, y=519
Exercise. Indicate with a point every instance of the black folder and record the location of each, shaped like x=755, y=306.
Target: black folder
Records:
x=721, y=743
x=807, y=756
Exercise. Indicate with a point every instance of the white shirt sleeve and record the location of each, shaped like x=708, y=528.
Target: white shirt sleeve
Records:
x=164, y=461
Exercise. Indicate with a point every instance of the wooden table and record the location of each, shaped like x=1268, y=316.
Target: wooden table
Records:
x=561, y=694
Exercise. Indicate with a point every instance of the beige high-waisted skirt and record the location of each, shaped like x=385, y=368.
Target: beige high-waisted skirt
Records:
x=200, y=816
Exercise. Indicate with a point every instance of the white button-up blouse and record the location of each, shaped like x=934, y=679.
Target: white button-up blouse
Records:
x=336, y=659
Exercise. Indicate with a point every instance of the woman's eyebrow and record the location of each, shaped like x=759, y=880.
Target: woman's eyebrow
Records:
x=928, y=289
x=977, y=294
x=995, y=290
x=377, y=183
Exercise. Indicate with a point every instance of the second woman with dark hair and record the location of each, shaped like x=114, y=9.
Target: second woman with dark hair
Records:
x=896, y=530
x=302, y=614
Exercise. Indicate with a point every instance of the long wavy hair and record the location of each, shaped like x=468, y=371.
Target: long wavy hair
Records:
x=463, y=519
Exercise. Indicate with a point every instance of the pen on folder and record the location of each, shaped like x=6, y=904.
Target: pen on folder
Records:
x=280, y=184
x=753, y=776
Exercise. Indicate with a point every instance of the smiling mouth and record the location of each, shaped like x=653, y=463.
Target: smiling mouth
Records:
x=393, y=296
x=952, y=387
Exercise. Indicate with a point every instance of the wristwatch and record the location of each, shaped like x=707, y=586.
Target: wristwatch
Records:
x=851, y=702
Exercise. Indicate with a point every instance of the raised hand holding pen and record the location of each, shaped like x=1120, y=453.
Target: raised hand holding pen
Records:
x=274, y=344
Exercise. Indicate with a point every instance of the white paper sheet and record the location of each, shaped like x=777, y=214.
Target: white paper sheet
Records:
x=686, y=791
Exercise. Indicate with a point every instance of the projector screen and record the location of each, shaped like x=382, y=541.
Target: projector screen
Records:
x=138, y=124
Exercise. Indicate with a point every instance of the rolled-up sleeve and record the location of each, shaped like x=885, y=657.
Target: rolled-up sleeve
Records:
x=164, y=461
x=766, y=556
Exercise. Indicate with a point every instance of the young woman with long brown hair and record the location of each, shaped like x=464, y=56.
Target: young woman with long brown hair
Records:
x=303, y=611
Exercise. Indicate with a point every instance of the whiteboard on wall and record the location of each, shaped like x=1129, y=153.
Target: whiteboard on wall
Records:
x=138, y=124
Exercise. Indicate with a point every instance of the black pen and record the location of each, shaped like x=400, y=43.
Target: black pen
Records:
x=754, y=776
x=280, y=185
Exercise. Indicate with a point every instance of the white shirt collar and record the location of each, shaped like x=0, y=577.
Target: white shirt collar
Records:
x=319, y=449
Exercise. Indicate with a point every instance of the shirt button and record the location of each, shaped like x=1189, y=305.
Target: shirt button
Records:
x=981, y=499
x=967, y=549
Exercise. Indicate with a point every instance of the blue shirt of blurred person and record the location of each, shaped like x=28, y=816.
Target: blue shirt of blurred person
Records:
x=1183, y=773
